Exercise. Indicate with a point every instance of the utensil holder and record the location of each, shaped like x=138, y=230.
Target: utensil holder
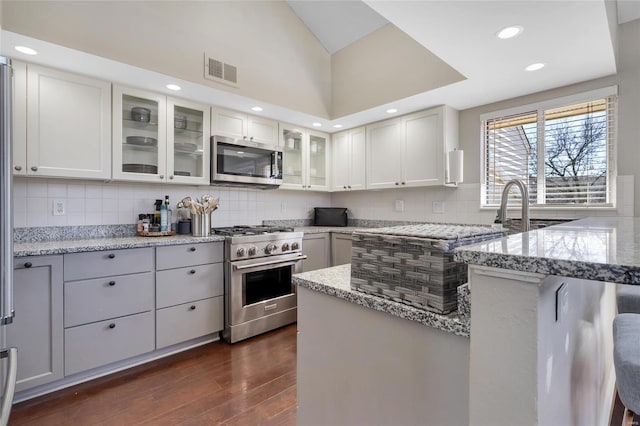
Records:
x=201, y=225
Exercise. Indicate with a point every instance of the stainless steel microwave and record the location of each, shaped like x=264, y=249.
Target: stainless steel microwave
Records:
x=244, y=163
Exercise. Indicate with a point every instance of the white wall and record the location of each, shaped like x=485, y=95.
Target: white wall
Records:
x=96, y=203
x=279, y=60
x=390, y=61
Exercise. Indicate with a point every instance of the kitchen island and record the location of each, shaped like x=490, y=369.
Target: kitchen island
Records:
x=540, y=347
x=367, y=360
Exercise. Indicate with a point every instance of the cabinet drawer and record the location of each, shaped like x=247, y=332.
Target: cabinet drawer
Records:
x=183, y=285
x=169, y=257
x=80, y=266
x=110, y=297
x=93, y=345
x=188, y=321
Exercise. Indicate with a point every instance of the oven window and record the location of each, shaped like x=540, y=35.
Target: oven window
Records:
x=246, y=161
x=268, y=284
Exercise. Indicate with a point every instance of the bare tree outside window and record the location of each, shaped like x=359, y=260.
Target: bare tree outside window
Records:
x=575, y=159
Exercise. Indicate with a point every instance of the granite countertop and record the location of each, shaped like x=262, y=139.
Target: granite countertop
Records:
x=335, y=229
x=600, y=249
x=336, y=281
x=96, y=244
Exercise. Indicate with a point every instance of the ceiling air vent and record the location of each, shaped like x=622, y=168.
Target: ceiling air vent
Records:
x=219, y=71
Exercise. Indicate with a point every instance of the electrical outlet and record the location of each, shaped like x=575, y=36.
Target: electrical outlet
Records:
x=59, y=208
x=438, y=206
x=399, y=206
x=283, y=207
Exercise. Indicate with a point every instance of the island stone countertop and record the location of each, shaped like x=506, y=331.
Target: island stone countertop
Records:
x=600, y=249
x=39, y=248
x=336, y=281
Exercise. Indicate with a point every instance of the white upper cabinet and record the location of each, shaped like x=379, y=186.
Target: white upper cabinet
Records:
x=384, y=154
x=411, y=150
x=237, y=125
x=62, y=124
x=349, y=172
x=159, y=139
x=305, y=158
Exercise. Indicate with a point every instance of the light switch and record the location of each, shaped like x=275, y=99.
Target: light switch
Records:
x=399, y=206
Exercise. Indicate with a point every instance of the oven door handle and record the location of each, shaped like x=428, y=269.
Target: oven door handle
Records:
x=273, y=262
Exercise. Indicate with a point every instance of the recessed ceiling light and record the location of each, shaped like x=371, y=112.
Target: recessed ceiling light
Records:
x=337, y=126
x=256, y=109
x=509, y=32
x=392, y=111
x=535, y=67
x=173, y=87
x=316, y=124
x=26, y=50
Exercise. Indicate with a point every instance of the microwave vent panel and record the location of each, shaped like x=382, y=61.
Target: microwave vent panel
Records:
x=219, y=71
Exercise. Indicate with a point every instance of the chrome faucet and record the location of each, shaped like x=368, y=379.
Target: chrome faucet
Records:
x=524, y=192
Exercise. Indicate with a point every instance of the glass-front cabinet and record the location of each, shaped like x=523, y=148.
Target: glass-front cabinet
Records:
x=159, y=139
x=304, y=159
x=188, y=142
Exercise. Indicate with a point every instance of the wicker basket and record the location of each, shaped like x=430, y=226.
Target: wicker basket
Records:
x=414, y=264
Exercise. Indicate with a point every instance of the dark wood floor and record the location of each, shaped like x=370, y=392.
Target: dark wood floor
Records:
x=249, y=383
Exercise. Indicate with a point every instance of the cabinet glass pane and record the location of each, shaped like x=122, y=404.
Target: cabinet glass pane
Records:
x=292, y=157
x=188, y=148
x=139, y=135
x=317, y=160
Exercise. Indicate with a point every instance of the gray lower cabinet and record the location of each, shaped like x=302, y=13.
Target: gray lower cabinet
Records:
x=37, y=329
x=108, y=307
x=178, y=323
x=317, y=249
x=340, y=249
x=109, y=297
x=96, y=344
x=189, y=292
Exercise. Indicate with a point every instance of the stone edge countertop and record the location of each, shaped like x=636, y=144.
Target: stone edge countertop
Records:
x=334, y=229
x=98, y=244
x=336, y=281
x=599, y=249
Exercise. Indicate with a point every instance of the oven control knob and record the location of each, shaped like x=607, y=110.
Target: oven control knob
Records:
x=295, y=246
x=285, y=247
x=252, y=251
x=240, y=252
x=270, y=248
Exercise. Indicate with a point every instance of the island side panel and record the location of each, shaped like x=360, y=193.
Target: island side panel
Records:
x=360, y=366
x=541, y=350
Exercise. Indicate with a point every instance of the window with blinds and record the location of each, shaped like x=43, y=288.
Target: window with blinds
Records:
x=564, y=154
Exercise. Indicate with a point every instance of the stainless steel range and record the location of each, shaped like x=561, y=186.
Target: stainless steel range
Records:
x=259, y=293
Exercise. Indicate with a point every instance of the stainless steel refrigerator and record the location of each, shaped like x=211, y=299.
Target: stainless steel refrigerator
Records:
x=8, y=355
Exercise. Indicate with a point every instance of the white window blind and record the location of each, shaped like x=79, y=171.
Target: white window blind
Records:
x=563, y=154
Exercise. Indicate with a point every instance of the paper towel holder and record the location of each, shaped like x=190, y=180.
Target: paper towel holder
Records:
x=455, y=165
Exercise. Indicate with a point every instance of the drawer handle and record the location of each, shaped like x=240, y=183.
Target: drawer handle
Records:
x=193, y=271
x=112, y=283
x=111, y=256
x=192, y=307
x=28, y=264
x=112, y=325
x=192, y=249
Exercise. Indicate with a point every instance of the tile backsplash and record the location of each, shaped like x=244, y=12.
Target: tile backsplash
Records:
x=98, y=203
